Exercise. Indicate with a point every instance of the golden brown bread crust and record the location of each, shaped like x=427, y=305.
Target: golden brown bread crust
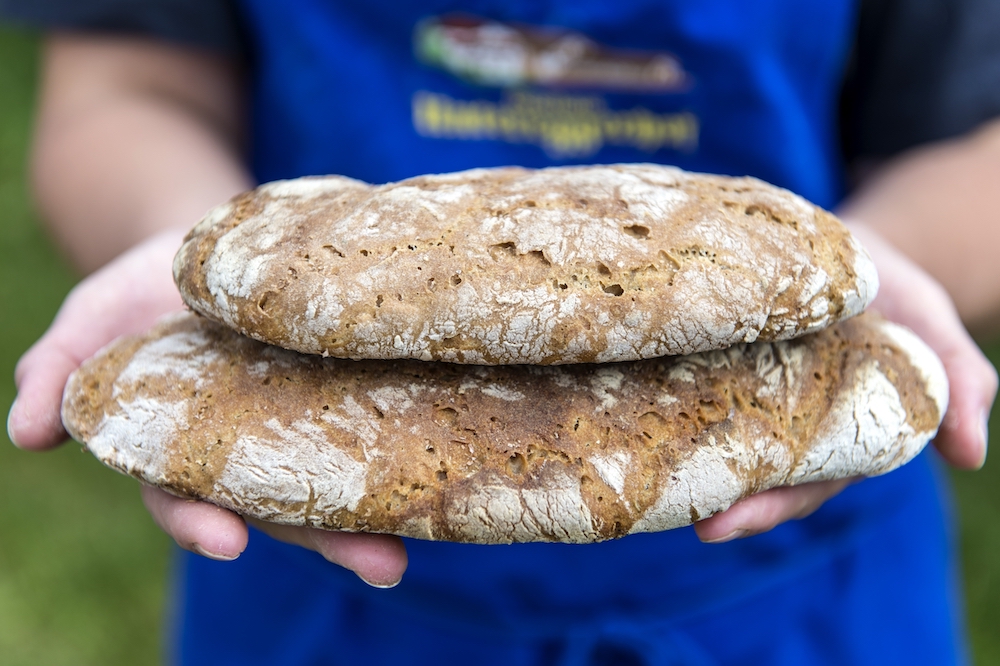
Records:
x=506, y=266
x=573, y=453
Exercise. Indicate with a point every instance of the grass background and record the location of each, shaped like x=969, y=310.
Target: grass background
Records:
x=83, y=568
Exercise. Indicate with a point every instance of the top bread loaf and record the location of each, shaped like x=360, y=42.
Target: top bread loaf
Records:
x=509, y=265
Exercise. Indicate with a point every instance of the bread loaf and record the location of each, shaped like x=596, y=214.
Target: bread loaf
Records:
x=574, y=453
x=507, y=266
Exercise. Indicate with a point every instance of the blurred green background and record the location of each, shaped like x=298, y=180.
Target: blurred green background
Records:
x=83, y=569
x=82, y=566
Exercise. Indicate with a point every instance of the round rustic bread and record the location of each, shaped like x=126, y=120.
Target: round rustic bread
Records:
x=574, y=453
x=505, y=266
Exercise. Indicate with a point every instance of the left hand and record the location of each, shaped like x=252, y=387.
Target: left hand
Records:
x=126, y=297
x=911, y=297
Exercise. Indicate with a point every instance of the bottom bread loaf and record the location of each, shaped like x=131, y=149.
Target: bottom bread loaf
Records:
x=575, y=453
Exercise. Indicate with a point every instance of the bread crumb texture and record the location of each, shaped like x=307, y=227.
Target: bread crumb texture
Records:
x=499, y=454
x=509, y=265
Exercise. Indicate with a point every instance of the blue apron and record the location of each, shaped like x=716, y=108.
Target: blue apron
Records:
x=381, y=90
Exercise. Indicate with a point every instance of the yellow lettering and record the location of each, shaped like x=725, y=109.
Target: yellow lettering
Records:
x=564, y=126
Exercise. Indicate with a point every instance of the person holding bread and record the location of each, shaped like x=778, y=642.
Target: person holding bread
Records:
x=151, y=113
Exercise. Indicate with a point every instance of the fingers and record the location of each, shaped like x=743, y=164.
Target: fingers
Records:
x=377, y=559
x=214, y=532
x=763, y=511
x=33, y=422
x=910, y=296
x=972, y=380
x=125, y=297
x=962, y=438
x=197, y=526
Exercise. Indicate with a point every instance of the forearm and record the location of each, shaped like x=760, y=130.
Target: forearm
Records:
x=937, y=205
x=132, y=138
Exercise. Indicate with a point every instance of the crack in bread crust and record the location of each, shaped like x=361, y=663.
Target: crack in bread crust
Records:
x=575, y=453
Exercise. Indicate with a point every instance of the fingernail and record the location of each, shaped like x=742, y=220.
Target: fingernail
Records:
x=219, y=557
x=735, y=534
x=381, y=586
x=10, y=424
x=985, y=427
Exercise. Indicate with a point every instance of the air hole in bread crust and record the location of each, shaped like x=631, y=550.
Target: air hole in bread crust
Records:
x=637, y=231
x=445, y=416
x=539, y=256
x=516, y=464
x=502, y=251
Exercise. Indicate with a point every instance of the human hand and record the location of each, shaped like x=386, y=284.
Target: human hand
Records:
x=219, y=534
x=126, y=297
x=123, y=298
x=909, y=296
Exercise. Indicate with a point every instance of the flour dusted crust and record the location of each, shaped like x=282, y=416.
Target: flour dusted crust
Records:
x=574, y=453
x=504, y=266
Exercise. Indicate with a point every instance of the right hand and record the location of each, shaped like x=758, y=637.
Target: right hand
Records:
x=910, y=296
x=126, y=297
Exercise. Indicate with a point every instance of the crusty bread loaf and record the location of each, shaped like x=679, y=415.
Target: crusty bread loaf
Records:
x=574, y=453
x=505, y=266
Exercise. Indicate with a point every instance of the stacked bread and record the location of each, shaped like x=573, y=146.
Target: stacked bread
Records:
x=506, y=355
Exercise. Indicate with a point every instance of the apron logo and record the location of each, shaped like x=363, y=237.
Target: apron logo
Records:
x=523, y=59
x=491, y=53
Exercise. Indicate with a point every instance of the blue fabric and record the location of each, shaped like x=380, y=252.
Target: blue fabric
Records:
x=336, y=84
x=885, y=595
x=340, y=90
